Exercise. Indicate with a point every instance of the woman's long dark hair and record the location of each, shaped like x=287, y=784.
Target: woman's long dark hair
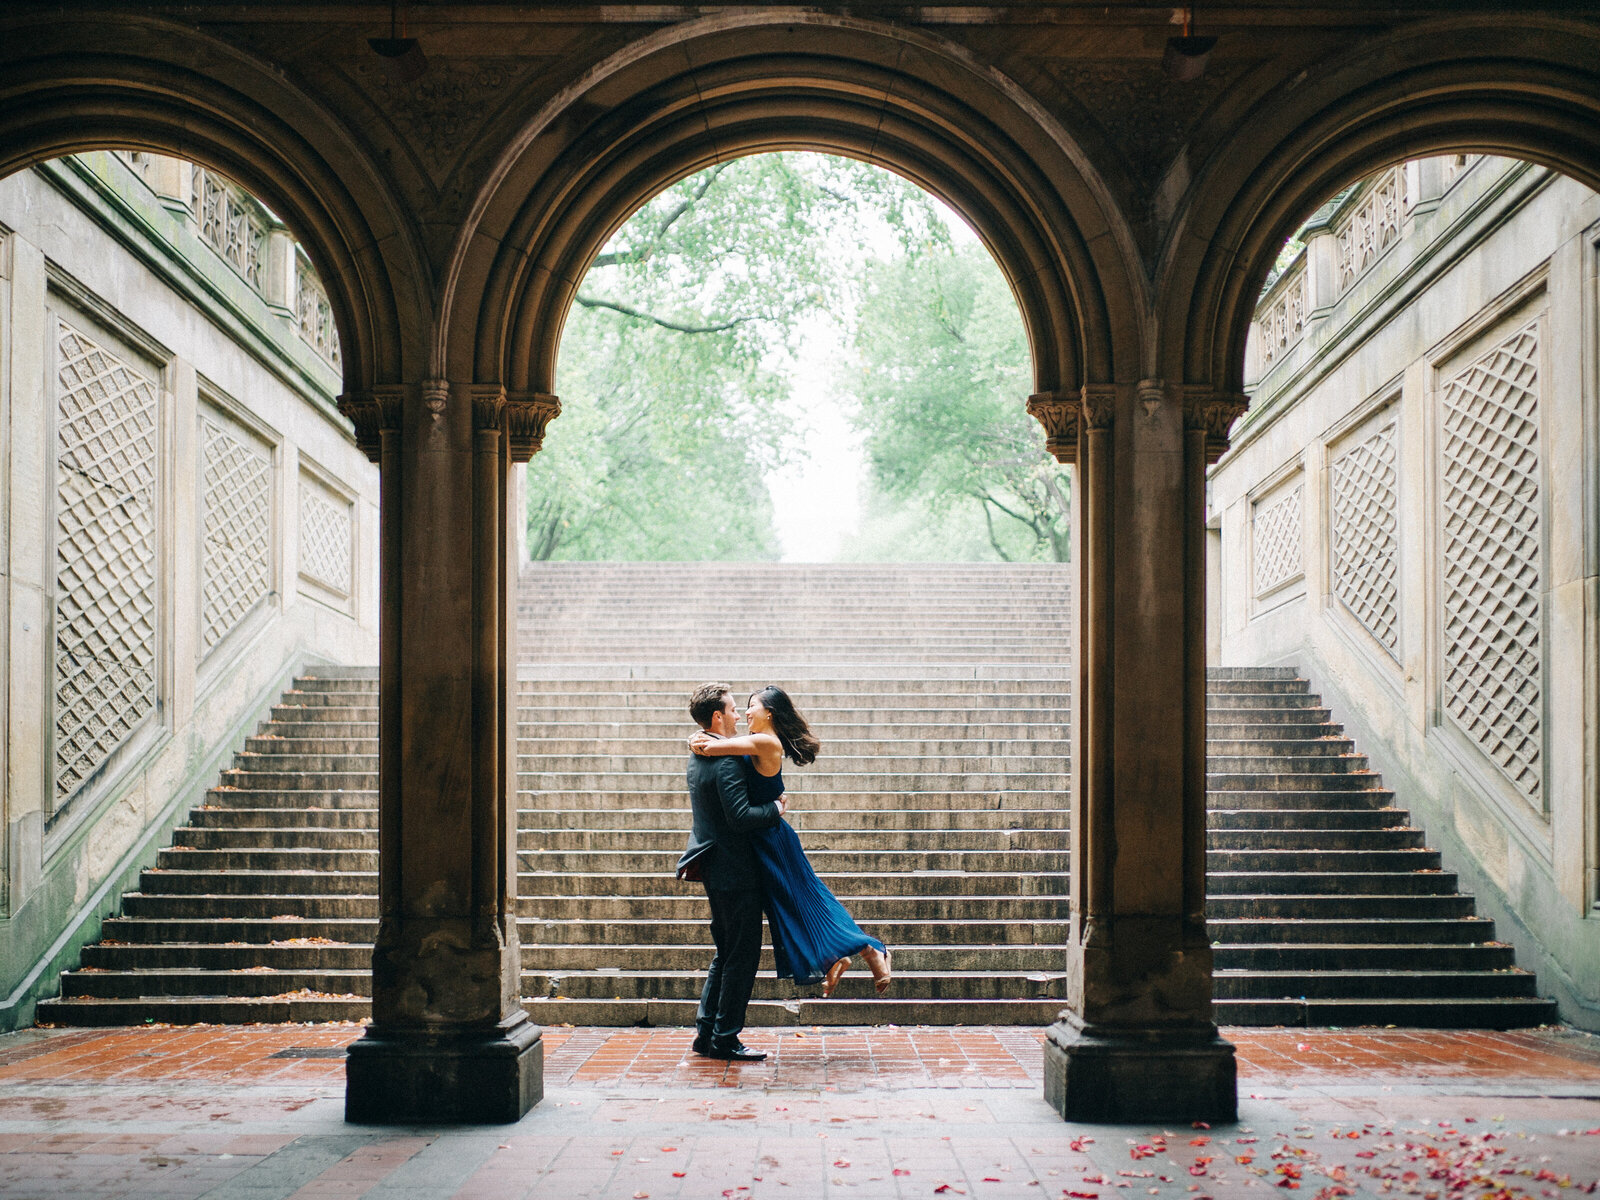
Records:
x=798, y=742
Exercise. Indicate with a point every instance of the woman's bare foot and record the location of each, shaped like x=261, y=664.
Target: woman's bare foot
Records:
x=831, y=979
x=879, y=965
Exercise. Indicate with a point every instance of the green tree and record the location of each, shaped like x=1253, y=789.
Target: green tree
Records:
x=941, y=374
x=677, y=353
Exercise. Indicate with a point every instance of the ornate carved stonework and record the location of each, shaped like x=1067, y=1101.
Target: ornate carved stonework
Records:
x=1215, y=413
x=1143, y=113
x=1099, y=403
x=488, y=405
x=527, y=414
x=371, y=413
x=1058, y=412
x=440, y=113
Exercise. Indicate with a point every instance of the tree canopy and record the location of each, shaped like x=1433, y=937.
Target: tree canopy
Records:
x=677, y=362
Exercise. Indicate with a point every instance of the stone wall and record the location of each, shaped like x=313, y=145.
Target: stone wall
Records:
x=187, y=521
x=1409, y=514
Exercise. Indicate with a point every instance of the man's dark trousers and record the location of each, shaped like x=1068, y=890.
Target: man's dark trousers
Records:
x=736, y=932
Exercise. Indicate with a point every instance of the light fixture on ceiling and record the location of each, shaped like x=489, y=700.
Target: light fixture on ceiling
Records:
x=1186, y=56
x=406, y=61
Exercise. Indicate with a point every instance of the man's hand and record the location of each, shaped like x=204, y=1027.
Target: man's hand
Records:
x=783, y=805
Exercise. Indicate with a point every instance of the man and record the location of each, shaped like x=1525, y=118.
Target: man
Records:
x=719, y=855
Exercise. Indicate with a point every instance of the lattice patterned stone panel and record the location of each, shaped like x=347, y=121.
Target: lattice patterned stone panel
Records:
x=1363, y=499
x=324, y=537
x=1490, y=548
x=105, y=651
x=235, y=530
x=1278, y=541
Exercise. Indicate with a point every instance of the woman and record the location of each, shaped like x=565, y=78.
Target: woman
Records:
x=813, y=936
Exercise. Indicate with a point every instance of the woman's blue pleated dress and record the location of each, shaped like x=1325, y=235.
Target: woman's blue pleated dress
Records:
x=810, y=928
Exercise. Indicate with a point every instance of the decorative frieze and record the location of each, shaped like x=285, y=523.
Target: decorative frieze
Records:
x=1490, y=558
x=235, y=530
x=1279, y=552
x=105, y=583
x=1363, y=532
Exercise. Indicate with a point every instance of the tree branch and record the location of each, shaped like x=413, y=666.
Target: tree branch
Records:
x=628, y=310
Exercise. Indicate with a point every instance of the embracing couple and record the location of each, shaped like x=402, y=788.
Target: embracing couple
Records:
x=749, y=859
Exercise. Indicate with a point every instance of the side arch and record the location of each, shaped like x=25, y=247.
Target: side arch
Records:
x=69, y=84
x=725, y=87
x=1476, y=85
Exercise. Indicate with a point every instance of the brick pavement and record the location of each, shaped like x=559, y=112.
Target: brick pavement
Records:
x=255, y=1113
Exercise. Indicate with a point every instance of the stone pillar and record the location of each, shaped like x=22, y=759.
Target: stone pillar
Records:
x=449, y=1039
x=1137, y=1042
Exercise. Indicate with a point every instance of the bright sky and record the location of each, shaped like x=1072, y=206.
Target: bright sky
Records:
x=816, y=499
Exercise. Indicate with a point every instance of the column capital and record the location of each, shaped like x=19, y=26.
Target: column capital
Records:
x=1214, y=413
x=1099, y=405
x=1059, y=413
x=371, y=412
x=488, y=405
x=527, y=414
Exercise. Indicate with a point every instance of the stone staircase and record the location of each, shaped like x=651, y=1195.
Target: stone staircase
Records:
x=937, y=813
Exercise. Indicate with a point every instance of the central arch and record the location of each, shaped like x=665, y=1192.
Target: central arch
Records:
x=725, y=87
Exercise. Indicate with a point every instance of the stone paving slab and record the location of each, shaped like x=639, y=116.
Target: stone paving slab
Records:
x=256, y=1113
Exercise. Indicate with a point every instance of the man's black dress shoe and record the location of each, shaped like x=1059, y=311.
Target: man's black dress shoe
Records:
x=734, y=1052
x=701, y=1046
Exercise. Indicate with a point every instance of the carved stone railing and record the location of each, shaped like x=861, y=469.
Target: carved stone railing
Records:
x=250, y=239
x=233, y=223
x=1281, y=316
x=1369, y=224
x=313, y=313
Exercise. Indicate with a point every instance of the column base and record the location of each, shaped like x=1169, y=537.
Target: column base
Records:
x=417, y=1078
x=1130, y=1077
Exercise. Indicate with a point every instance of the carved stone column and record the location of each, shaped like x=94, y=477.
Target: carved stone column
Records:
x=1136, y=1042
x=449, y=1040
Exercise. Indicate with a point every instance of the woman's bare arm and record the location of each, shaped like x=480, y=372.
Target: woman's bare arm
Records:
x=758, y=744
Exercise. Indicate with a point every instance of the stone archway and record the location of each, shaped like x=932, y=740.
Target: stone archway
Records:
x=73, y=84
x=1524, y=89
x=1139, y=968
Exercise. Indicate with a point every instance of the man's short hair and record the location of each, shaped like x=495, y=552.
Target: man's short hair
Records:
x=707, y=702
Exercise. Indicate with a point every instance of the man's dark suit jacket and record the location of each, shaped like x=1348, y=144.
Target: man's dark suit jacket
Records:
x=719, y=850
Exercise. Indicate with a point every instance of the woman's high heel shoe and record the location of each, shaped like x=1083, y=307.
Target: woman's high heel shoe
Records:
x=831, y=979
x=882, y=976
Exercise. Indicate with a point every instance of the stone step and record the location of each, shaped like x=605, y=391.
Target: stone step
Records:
x=1457, y=1012
x=1232, y=933
x=1218, y=820
x=1223, y=765
x=909, y=987
x=312, y=861
x=938, y=814
x=1328, y=984
x=1337, y=958
x=1221, y=883
x=1337, y=908
x=1279, y=748
x=1243, y=800
x=659, y=767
